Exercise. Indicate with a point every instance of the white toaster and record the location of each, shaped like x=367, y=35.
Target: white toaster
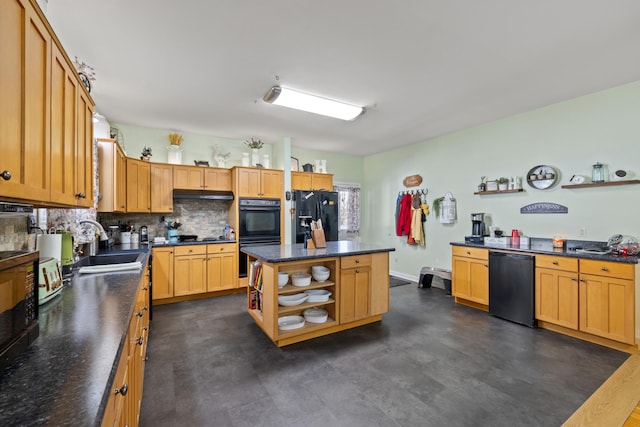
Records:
x=50, y=279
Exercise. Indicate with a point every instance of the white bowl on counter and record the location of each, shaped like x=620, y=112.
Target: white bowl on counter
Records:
x=288, y=323
x=283, y=279
x=316, y=315
x=291, y=300
x=300, y=279
x=318, y=295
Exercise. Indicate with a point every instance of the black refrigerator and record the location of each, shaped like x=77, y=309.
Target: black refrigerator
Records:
x=313, y=205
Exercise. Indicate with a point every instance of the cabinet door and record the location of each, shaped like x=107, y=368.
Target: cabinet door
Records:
x=379, y=283
x=301, y=181
x=162, y=270
x=607, y=307
x=221, y=267
x=272, y=183
x=161, y=188
x=84, y=151
x=248, y=182
x=470, y=279
x=190, y=275
x=217, y=179
x=138, y=175
x=354, y=293
x=188, y=177
x=120, y=180
x=24, y=102
x=557, y=297
x=64, y=137
x=322, y=181
x=112, y=173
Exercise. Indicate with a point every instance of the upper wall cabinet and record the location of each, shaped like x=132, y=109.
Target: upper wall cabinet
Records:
x=311, y=181
x=138, y=186
x=257, y=182
x=201, y=178
x=112, y=166
x=45, y=114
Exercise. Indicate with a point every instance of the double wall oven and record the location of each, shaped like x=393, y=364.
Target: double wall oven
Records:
x=259, y=224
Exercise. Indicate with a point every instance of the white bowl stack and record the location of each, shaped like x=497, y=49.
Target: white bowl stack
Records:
x=320, y=273
x=316, y=315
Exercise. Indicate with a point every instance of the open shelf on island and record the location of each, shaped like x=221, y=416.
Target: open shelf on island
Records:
x=290, y=289
x=282, y=309
x=308, y=327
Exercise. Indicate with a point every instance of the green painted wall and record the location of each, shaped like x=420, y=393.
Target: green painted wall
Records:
x=570, y=136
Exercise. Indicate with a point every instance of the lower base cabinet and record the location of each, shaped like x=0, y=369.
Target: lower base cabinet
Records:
x=470, y=275
x=123, y=406
x=191, y=270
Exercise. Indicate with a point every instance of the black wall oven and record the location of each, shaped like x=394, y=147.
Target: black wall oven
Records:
x=259, y=224
x=18, y=303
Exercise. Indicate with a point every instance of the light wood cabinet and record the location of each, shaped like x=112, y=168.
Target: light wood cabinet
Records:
x=190, y=270
x=64, y=129
x=311, y=181
x=138, y=186
x=162, y=268
x=222, y=267
x=112, y=176
x=556, y=293
x=125, y=397
x=607, y=307
x=46, y=114
x=355, y=287
x=201, y=178
x=161, y=187
x=84, y=152
x=25, y=106
x=257, y=182
x=470, y=275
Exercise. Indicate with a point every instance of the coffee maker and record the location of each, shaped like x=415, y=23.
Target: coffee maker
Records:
x=477, y=229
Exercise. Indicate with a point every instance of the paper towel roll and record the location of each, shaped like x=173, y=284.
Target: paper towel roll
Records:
x=49, y=245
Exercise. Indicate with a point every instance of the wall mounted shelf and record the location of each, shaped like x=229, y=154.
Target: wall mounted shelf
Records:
x=482, y=193
x=603, y=184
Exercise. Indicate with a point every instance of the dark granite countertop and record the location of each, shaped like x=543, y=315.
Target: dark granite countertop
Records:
x=63, y=378
x=284, y=253
x=190, y=242
x=545, y=247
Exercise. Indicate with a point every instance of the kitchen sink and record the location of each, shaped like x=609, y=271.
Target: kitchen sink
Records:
x=110, y=262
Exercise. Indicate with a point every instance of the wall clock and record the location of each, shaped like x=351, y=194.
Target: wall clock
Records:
x=542, y=177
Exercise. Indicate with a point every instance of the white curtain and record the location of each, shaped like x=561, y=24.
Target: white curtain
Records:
x=349, y=205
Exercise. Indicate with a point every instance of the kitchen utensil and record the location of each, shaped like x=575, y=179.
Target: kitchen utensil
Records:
x=316, y=315
x=301, y=279
x=287, y=323
x=283, y=279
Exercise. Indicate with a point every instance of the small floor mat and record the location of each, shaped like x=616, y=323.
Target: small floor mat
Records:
x=396, y=281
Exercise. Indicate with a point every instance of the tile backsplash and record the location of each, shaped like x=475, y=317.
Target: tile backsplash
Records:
x=14, y=233
x=202, y=218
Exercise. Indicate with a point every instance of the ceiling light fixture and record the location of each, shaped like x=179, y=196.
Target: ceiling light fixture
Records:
x=286, y=97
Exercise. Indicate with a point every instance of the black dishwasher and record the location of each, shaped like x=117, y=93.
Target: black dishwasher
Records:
x=511, y=287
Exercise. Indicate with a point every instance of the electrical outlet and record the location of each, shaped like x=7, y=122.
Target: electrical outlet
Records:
x=582, y=231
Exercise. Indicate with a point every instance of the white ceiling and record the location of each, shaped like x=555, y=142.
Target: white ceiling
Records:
x=422, y=68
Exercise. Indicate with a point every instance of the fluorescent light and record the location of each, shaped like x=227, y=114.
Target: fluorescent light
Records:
x=311, y=103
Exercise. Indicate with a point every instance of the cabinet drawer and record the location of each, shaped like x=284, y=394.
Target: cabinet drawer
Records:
x=557, y=262
x=190, y=250
x=606, y=268
x=355, y=261
x=221, y=248
x=468, y=252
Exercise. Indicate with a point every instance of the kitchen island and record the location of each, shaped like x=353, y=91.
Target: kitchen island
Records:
x=358, y=282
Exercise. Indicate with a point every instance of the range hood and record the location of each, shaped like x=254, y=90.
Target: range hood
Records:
x=202, y=195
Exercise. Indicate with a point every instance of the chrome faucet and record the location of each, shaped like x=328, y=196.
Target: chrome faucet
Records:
x=103, y=234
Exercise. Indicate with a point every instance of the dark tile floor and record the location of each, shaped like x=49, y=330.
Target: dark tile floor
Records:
x=429, y=362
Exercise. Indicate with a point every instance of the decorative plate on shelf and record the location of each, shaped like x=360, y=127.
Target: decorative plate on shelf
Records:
x=542, y=177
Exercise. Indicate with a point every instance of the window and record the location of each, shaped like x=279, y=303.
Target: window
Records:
x=349, y=205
